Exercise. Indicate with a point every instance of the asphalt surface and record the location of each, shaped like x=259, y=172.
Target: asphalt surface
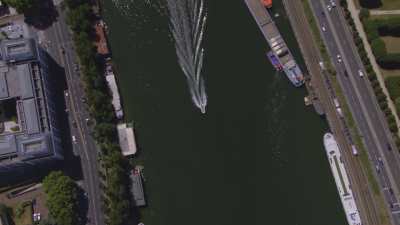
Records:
x=322, y=84
x=60, y=47
x=362, y=102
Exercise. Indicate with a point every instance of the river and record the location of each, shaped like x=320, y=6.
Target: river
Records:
x=255, y=157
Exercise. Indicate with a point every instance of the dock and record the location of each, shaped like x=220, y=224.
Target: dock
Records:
x=268, y=29
x=280, y=49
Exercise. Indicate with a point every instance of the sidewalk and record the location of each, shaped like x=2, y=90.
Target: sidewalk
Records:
x=354, y=14
x=384, y=12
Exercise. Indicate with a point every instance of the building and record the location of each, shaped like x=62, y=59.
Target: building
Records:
x=30, y=139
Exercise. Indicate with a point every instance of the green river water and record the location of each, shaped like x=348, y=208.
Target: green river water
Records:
x=255, y=157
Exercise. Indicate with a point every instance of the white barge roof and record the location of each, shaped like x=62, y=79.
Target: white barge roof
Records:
x=341, y=180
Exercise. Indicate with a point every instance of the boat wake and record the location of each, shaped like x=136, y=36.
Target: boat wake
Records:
x=187, y=24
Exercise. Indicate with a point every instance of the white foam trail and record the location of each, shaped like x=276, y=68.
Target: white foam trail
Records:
x=187, y=23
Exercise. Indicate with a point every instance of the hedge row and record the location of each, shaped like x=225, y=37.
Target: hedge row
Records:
x=117, y=205
x=375, y=28
x=380, y=96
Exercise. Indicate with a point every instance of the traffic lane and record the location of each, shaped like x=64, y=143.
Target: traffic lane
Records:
x=355, y=100
x=351, y=58
x=352, y=96
x=91, y=184
x=372, y=112
x=379, y=118
x=388, y=195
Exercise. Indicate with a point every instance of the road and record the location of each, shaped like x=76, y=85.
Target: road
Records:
x=59, y=37
x=362, y=102
x=321, y=81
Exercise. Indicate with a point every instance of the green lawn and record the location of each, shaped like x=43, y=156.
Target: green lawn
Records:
x=390, y=73
x=392, y=44
x=25, y=218
x=390, y=4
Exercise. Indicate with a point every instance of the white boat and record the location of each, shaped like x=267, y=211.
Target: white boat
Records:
x=341, y=180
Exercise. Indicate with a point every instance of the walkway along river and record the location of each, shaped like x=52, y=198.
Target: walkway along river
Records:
x=255, y=157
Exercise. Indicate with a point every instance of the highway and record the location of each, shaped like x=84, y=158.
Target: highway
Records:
x=60, y=46
x=362, y=102
x=322, y=83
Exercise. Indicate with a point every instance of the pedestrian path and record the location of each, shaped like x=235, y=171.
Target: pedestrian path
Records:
x=384, y=12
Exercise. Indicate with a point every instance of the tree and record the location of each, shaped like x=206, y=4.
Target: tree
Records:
x=364, y=13
x=61, y=198
x=397, y=104
x=21, y=6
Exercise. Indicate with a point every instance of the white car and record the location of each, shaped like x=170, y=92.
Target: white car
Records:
x=339, y=58
x=329, y=7
x=360, y=73
x=321, y=64
x=333, y=3
x=74, y=139
x=323, y=28
x=354, y=150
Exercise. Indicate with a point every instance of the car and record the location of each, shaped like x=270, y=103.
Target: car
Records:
x=62, y=50
x=380, y=161
x=329, y=7
x=335, y=100
x=333, y=4
x=391, y=191
x=322, y=65
x=360, y=73
x=339, y=58
x=389, y=147
x=354, y=150
x=378, y=170
x=74, y=139
x=66, y=93
x=323, y=28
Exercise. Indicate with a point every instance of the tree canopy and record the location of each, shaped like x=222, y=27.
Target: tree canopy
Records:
x=21, y=5
x=61, y=198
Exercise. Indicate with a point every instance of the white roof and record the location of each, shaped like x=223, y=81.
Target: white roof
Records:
x=127, y=140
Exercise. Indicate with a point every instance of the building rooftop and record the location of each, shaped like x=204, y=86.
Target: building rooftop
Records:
x=126, y=139
x=21, y=90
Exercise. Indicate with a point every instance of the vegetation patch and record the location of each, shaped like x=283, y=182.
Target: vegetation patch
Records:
x=393, y=86
x=392, y=44
x=61, y=198
x=377, y=27
x=23, y=213
x=380, y=4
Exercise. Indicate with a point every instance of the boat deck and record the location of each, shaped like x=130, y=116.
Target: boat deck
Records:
x=267, y=26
